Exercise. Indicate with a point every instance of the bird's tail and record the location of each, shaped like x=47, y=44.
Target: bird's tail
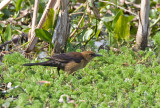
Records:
x=47, y=63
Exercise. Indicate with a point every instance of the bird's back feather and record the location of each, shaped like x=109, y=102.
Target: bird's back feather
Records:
x=67, y=57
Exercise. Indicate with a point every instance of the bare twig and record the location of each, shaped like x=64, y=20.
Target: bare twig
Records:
x=76, y=13
x=80, y=31
x=120, y=8
x=56, y=9
x=15, y=39
x=131, y=3
x=79, y=7
x=155, y=22
x=46, y=11
x=23, y=13
x=15, y=21
x=34, y=20
x=11, y=21
x=72, y=34
x=94, y=9
x=4, y=3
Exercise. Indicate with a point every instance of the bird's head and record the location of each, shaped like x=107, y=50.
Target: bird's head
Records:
x=89, y=55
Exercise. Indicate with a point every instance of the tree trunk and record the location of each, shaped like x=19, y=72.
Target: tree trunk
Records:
x=62, y=28
x=143, y=28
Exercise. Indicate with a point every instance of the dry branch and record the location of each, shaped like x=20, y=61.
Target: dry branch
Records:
x=72, y=34
x=11, y=20
x=120, y=8
x=4, y=3
x=131, y=3
x=34, y=20
x=15, y=39
x=157, y=20
x=34, y=39
x=94, y=9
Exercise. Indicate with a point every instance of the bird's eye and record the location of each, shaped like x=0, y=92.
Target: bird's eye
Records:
x=91, y=55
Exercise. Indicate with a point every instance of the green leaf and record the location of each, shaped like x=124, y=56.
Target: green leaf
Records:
x=1, y=29
x=90, y=3
x=122, y=28
x=153, y=13
x=7, y=33
x=1, y=14
x=100, y=25
x=130, y=18
x=87, y=34
x=102, y=4
x=49, y=21
x=6, y=13
x=41, y=7
x=157, y=38
x=18, y=5
x=16, y=14
x=117, y=17
x=107, y=19
x=44, y=35
x=82, y=22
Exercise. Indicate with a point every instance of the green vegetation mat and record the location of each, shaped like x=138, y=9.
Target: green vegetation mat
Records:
x=128, y=79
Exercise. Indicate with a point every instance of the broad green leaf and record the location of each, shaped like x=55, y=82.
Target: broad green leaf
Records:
x=7, y=33
x=18, y=5
x=49, y=21
x=122, y=28
x=100, y=25
x=102, y=4
x=107, y=22
x=1, y=29
x=107, y=19
x=1, y=14
x=130, y=18
x=117, y=17
x=41, y=7
x=44, y=35
x=153, y=13
x=87, y=34
x=109, y=26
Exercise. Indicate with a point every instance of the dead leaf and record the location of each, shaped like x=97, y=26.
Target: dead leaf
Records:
x=43, y=82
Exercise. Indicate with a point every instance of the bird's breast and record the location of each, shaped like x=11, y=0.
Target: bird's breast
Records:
x=73, y=66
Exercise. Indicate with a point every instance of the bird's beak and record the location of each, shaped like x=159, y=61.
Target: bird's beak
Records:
x=97, y=55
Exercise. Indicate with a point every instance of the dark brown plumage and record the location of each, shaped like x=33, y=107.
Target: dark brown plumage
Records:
x=68, y=62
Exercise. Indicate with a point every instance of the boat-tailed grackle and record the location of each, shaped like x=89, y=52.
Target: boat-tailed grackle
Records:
x=68, y=62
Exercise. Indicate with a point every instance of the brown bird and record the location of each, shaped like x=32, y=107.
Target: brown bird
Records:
x=68, y=62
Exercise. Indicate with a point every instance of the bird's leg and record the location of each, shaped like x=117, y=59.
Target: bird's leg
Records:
x=58, y=70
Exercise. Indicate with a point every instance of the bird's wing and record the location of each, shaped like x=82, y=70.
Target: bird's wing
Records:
x=67, y=57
